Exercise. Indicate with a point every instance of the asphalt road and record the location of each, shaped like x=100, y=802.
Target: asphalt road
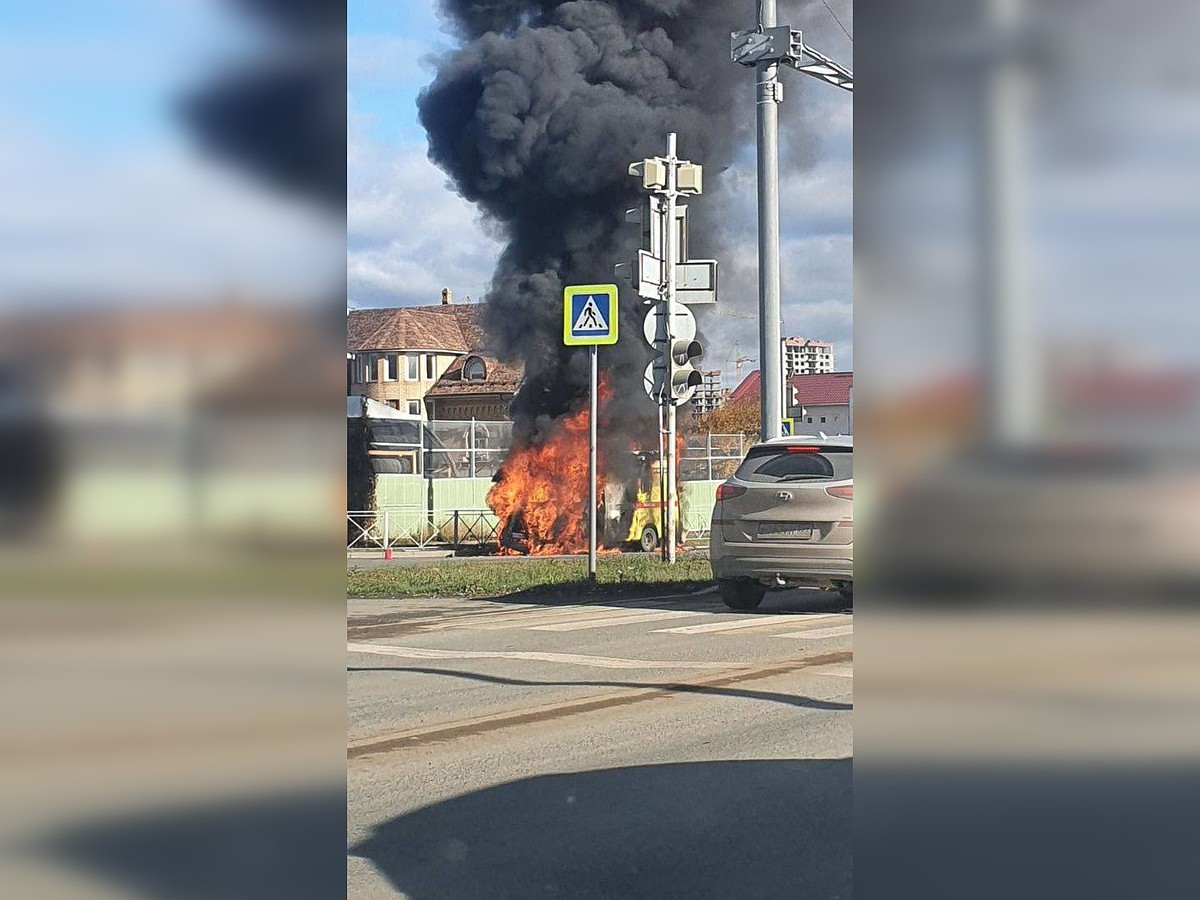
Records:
x=662, y=748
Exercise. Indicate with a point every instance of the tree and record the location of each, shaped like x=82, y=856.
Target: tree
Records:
x=734, y=417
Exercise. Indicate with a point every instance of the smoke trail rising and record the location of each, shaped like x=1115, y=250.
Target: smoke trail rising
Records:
x=535, y=119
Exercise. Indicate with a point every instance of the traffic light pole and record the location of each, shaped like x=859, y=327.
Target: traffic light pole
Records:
x=670, y=246
x=671, y=378
x=770, y=334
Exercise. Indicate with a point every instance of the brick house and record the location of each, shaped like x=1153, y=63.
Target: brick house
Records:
x=476, y=386
x=394, y=356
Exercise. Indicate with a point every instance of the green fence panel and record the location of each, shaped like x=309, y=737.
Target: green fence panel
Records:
x=394, y=491
x=467, y=496
x=406, y=500
x=450, y=494
x=697, y=499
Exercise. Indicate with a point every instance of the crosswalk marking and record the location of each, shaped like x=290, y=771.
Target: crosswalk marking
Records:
x=787, y=620
x=602, y=662
x=814, y=634
x=605, y=621
x=535, y=618
x=711, y=618
x=561, y=617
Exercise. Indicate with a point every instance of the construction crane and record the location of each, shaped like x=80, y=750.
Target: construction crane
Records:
x=738, y=359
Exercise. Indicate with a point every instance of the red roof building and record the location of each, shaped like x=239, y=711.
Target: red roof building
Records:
x=827, y=389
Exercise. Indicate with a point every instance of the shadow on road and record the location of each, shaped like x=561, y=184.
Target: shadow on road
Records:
x=270, y=848
x=721, y=830
x=710, y=690
x=673, y=595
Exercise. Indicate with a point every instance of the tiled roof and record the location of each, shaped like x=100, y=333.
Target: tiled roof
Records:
x=817, y=390
x=1110, y=392
x=501, y=379
x=747, y=389
x=826, y=389
x=453, y=328
x=212, y=326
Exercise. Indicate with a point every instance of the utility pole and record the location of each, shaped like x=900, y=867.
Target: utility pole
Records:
x=765, y=48
x=1012, y=378
x=769, y=94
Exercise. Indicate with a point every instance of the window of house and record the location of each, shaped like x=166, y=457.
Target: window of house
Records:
x=394, y=404
x=364, y=368
x=392, y=360
x=414, y=407
x=431, y=366
x=474, y=370
x=810, y=420
x=414, y=367
x=822, y=419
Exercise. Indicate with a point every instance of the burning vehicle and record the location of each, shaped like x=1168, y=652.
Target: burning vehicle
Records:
x=632, y=512
x=630, y=516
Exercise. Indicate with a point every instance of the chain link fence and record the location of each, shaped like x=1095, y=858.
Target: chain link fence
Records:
x=432, y=482
x=471, y=449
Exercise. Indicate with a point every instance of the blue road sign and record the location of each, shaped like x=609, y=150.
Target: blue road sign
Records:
x=590, y=315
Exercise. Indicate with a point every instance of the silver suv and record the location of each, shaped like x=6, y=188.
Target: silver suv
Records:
x=786, y=519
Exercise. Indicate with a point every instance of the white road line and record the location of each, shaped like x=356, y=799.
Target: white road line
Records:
x=779, y=621
x=548, y=617
x=501, y=619
x=605, y=621
x=574, y=659
x=835, y=672
x=814, y=634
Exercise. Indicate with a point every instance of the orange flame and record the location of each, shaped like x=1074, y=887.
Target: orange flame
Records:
x=547, y=484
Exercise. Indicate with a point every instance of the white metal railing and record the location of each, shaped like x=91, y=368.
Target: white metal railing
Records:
x=416, y=527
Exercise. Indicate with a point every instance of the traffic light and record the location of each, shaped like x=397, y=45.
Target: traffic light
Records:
x=653, y=173
x=685, y=378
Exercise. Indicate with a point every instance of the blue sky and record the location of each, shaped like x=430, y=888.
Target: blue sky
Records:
x=96, y=167
x=388, y=43
x=410, y=235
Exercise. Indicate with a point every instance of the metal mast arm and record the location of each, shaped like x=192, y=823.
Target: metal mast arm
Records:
x=809, y=61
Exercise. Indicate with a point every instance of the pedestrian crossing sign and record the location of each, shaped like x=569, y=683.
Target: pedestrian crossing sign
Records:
x=590, y=315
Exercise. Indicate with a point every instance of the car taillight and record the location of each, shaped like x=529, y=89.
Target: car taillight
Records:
x=846, y=492
x=728, y=491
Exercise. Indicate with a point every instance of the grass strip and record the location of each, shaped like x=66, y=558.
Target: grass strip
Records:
x=624, y=573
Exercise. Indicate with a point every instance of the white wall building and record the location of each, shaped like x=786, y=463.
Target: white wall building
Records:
x=802, y=356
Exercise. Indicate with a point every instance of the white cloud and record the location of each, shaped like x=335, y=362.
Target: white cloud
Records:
x=156, y=220
x=409, y=234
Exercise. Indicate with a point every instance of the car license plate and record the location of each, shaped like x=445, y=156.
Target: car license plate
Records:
x=801, y=531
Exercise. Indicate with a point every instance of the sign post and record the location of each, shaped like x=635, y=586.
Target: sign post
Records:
x=592, y=498
x=590, y=319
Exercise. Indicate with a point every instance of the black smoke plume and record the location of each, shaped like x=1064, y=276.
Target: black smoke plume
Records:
x=281, y=114
x=536, y=118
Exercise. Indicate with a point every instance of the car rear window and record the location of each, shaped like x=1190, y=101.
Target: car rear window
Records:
x=773, y=464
